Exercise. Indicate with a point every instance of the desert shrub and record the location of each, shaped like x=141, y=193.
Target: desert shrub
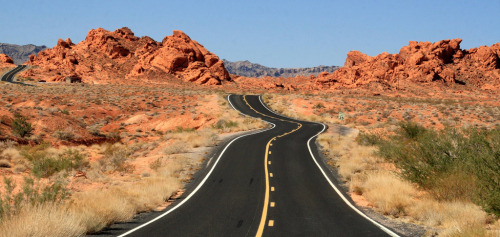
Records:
x=453, y=164
x=319, y=105
x=176, y=148
x=32, y=193
x=95, y=130
x=46, y=164
x=411, y=130
x=114, y=136
x=65, y=135
x=222, y=124
x=156, y=164
x=367, y=139
x=180, y=129
x=74, y=159
x=20, y=126
x=115, y=158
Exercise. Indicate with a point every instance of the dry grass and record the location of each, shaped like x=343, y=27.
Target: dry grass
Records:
x=44, y=220
x=231, y=120
x=99, y=208
x=378, y=182
x=90, y=211
x=389, y=194
x=284, y=107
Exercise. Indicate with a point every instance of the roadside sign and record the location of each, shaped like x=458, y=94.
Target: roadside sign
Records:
x=341, y=116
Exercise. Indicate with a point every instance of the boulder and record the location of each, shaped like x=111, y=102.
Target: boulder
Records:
x=421, y=62
x=109, y=57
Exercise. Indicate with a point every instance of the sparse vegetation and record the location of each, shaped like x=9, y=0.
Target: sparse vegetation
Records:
x=377, y=181
x=453, y=164
x=21, y=126
x=138, y=151
x=33, y=193
x=116, y=158
x=45, y=163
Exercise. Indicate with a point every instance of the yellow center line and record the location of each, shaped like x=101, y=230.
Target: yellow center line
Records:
x=271, y=223
x=263, y=218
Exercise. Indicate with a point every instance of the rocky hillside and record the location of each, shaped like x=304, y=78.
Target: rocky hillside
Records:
x=6, y=62
x=120, y=56
x=248, y=69
x=423, y=63
x=438, y=65
x=20, y=53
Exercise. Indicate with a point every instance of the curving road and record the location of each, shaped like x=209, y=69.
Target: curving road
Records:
x=270, y=183
x=9, y=76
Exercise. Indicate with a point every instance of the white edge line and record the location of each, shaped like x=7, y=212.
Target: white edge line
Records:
x=201, y=183
x=385, y=229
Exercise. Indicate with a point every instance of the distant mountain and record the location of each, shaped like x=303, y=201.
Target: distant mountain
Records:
x=248, y=69
x=20, y=53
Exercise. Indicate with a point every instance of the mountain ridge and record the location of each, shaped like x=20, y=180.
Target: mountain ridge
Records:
x=249, y=69
x=20, y=53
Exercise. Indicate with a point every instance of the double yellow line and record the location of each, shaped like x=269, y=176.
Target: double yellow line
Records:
x=266, y=196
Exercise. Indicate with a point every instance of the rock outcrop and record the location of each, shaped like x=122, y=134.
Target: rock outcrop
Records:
x=421, y=62
x=6, y=61
x=114, y=57
x=248, y=69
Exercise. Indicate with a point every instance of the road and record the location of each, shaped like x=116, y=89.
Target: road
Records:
x=270, y=183
x=9, y=76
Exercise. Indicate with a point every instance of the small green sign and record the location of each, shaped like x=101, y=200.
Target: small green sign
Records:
x=341, y=116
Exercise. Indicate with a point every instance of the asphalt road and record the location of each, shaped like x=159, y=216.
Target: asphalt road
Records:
x=271, y=183
x=9, y=76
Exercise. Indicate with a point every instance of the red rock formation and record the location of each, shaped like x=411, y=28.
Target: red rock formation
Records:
x=6, y=61
x=107, y=57
x=421, y=62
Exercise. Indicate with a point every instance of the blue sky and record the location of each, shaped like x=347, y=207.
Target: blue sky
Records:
x=272, y=33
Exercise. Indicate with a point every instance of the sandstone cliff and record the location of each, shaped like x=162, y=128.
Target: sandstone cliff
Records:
x=114, y=57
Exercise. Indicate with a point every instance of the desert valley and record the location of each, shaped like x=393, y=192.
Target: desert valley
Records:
x=95, y=132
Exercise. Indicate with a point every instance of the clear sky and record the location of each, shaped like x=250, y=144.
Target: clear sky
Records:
x=273, y=33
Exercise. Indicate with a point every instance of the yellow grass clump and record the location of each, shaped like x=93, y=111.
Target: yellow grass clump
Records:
x=90, y=211
x=49, y=219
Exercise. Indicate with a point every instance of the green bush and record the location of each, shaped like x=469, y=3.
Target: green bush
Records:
x=65, y=111
x=180, y=129
x=32, y=193
x=367, y=139
x=116, y=158
x=411, y=130
x=45, y=164
x=20, y=126
x=319, y=105
x=453, y=164
x=222, y=123
x=64, y=135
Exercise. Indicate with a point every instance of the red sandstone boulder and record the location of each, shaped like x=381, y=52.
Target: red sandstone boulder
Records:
x=4, y=59
x=421, y=62
x=107, y=57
